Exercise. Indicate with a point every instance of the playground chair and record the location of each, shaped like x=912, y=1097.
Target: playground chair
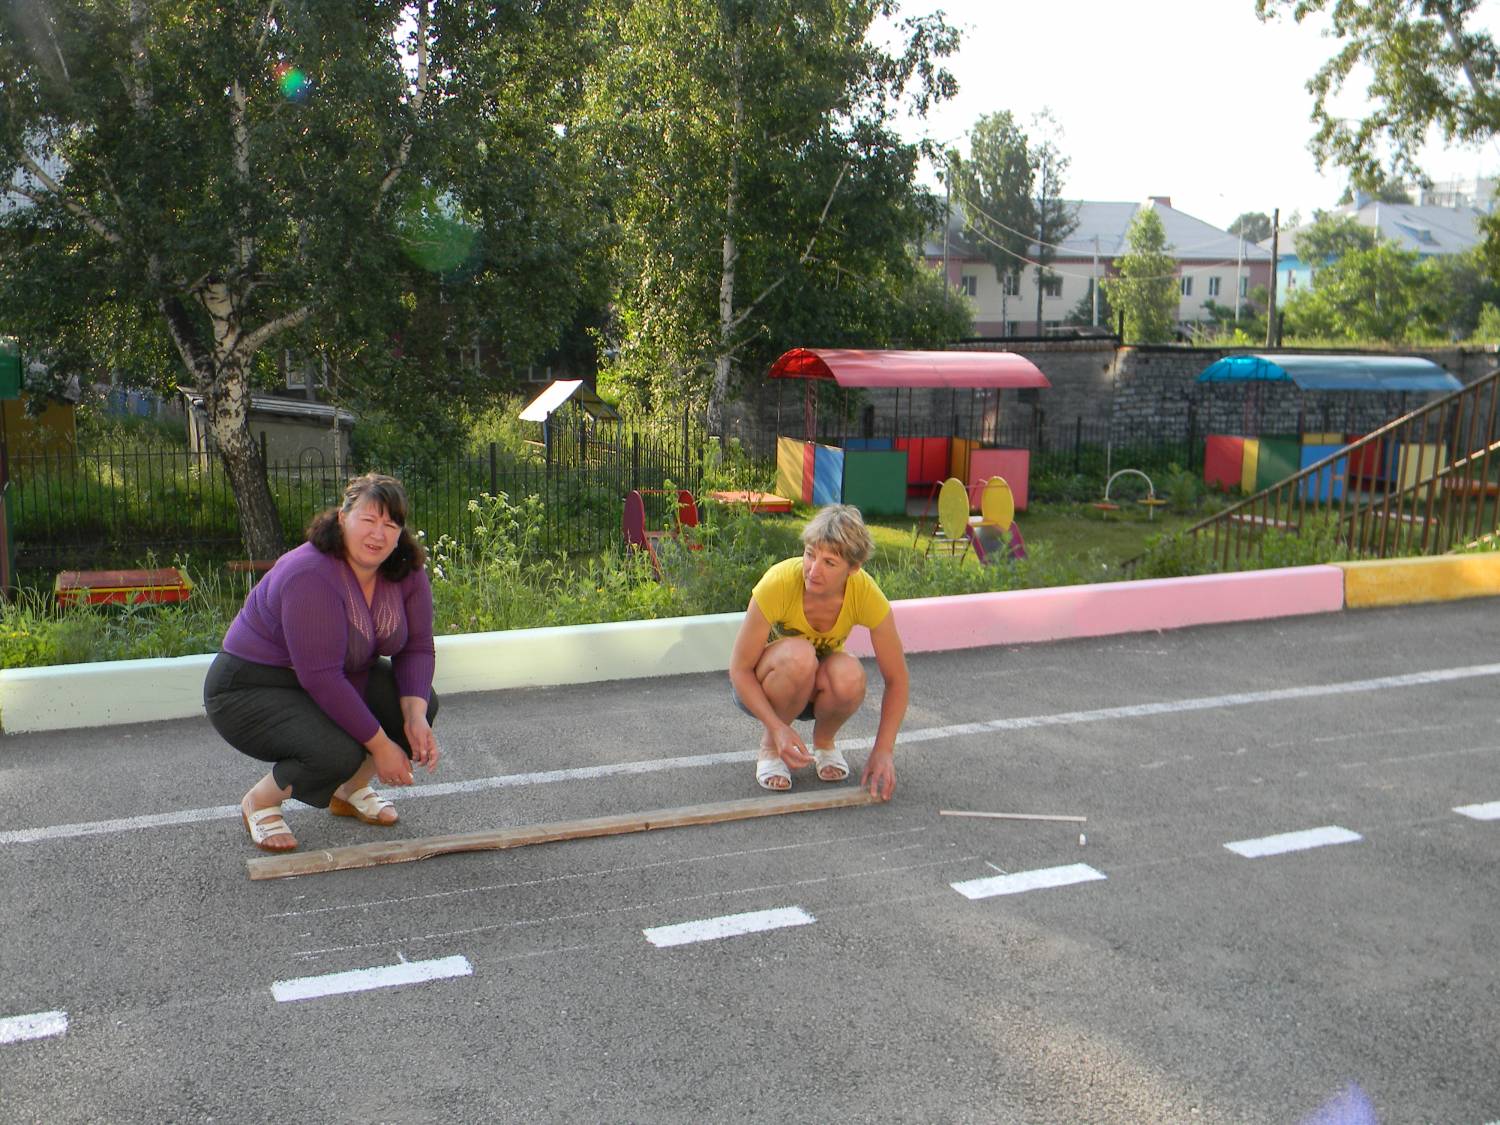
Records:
x=950, y=527
x=633, y=527
x=995, y=530
x=686, y=515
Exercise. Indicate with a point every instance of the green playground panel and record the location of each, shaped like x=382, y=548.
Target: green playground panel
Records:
x=10, y=370
x=875, y=481
x=1280, y=457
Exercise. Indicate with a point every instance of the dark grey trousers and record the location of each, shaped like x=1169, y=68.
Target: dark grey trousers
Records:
x=264, y=712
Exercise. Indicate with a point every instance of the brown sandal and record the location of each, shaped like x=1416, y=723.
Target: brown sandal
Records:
x=364, y=805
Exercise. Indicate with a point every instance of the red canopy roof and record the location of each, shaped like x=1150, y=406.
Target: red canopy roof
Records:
x=854, y=368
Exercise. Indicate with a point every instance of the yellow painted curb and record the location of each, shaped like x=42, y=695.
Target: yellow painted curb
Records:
x=1435, y=578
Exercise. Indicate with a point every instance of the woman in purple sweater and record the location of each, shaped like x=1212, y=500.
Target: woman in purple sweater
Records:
x=303, y=680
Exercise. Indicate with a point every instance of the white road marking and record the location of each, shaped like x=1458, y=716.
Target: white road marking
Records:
x=789, y=886
x=697, y=761
x=37, y=1025
x=363, y=980
x=1294, y=841
x=1014, y=884
x=1488, y=811
x=728, y=925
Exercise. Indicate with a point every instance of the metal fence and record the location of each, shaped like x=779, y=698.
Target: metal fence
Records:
x=103, y=507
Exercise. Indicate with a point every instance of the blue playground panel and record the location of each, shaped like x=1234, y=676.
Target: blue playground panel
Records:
x=1328, y=483
x=828, y=475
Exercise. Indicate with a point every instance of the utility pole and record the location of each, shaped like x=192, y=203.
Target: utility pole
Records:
x=947, y=221
x=1239, y=277
x=1271, y=304
x=1094, y=281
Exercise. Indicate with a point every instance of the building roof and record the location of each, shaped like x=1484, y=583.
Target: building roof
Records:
x=1188, y=238
x=285, y=407
x=1426, y=228
x=563, y=390
x=850, y=367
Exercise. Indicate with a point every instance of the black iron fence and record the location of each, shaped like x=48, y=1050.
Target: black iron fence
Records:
x=104, y=507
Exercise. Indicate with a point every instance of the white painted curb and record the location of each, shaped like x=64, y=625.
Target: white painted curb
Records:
x=110, y=692
x=107, y=693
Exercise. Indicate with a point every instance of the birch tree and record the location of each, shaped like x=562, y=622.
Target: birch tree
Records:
x=758, y=179
x=232, y=175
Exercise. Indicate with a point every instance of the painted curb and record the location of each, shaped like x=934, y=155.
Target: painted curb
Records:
x=107, y=693
x=1435, y=578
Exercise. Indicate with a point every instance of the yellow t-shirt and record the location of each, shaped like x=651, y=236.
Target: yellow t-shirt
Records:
x=779, y=595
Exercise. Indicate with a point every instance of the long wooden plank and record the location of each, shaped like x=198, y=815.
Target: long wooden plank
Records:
x=405, y=851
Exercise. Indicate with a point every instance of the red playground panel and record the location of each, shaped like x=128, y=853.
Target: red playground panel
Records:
x=926, y=462
x=99, y=587
x=1012, y=465
x=1223, y=461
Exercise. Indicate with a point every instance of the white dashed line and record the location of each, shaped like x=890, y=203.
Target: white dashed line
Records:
x=729, y=925
x=363, y=980
x=1294, y=841
x=37, y=1025
x=1488, y=811
x=1039, y=880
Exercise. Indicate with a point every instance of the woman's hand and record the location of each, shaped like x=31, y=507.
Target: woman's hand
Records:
x=423, y=743
x=392, y=765
x=880, y=775
x=789, y=746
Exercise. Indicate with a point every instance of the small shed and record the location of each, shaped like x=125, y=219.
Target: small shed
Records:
x=564, y=391
x=290, y=430
x=1255, y=463
x=878, y=474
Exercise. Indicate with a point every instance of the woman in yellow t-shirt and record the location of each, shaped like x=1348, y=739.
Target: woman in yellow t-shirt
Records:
x=789, y=661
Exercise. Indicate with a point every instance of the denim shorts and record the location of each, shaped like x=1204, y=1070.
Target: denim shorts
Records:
x=806, y=716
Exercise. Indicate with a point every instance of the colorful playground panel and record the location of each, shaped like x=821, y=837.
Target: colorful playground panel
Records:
x=926, y=462
x=958, y=457
x=1223, y=461
x=790, y=467
x=828, y=474
x=100, y=587
x=1252, y=462
x=875, y=481
x=1420, y=460
x=1279, y=458
x=1328, y=483
x=1014, y=465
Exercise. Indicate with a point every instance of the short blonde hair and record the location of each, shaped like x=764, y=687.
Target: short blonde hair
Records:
x=841, y=528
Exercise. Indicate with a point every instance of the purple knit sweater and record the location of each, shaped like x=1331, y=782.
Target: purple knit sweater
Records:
x=308, y=614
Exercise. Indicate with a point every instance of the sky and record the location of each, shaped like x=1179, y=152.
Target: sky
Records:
x=1192, y=99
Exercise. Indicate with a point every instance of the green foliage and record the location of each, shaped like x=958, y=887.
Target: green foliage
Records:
x=1432, y=66
x=1252, y=226
x=1147, y=289
x=1487, y=330
x=1330, y=236
x=994, y=189
x=761, y=194
x=1382, y=293
x=1175, y=555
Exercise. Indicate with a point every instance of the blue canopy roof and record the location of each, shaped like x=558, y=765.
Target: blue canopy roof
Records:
x=1334, y=372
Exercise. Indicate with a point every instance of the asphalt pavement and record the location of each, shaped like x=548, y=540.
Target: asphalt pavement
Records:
x=1286, y=908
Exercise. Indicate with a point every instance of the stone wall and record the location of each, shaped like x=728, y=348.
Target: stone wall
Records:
x=1095, y=383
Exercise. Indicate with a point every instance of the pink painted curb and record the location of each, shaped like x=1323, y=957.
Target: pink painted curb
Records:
x=1065, y=612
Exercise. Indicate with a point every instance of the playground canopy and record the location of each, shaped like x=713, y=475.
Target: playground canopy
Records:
x=850, y=367
x=1333, y=372
x=564, y=390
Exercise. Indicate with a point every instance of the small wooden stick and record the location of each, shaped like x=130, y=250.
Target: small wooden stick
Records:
x=405, y=851
x=1015, y=816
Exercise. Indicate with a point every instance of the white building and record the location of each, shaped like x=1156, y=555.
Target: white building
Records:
x=1212, y=265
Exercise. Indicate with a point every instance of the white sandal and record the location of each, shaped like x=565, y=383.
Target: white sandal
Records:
x=831, y=758
x=363, y=804
x=773, y=767
x=265, y=824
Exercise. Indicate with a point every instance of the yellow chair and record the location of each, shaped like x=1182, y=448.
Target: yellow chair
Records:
x=951, y=529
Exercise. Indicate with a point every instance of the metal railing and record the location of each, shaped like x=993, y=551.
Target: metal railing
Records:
x=103, y=507
x=1424, y=484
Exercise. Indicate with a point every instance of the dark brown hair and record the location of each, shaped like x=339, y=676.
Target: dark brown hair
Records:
x=324, y=533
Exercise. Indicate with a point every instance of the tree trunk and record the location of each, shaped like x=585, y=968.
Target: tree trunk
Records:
x=222, y=375
x=719, y=393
